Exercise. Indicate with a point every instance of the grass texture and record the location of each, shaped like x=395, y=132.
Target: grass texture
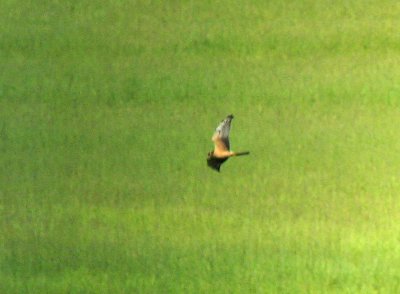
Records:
x=106, y=114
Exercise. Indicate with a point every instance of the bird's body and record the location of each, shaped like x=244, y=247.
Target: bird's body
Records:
x=222, y=152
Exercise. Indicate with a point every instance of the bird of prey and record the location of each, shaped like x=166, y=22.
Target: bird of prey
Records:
x=221, y=151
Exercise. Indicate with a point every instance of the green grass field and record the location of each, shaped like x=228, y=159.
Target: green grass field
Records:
x=106, y=114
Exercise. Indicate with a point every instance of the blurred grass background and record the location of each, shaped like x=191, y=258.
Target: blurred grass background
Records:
x=106, y=113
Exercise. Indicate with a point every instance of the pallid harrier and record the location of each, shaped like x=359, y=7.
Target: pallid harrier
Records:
x=222, y=151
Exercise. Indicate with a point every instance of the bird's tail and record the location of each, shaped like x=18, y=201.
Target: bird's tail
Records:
x=242, y=153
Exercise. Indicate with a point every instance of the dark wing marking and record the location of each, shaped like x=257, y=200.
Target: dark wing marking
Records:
x=215, y=163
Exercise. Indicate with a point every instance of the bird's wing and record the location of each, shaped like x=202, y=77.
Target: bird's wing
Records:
x=221, y=135
x=215, y=163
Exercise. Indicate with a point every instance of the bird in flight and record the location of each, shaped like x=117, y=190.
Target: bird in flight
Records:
x=221, y=151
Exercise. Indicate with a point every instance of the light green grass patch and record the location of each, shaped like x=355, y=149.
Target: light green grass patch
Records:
x=106, y=116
